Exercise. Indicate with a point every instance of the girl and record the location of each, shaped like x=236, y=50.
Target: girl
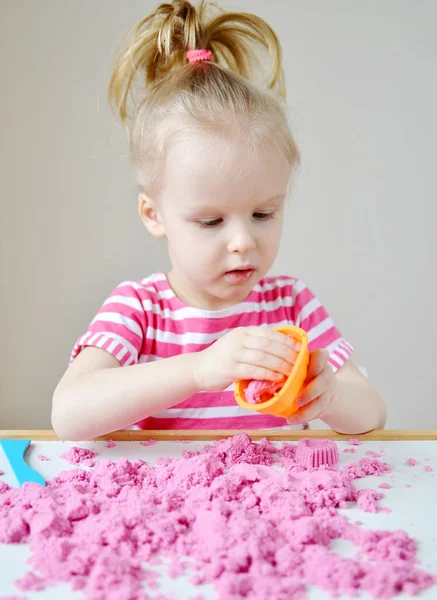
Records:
x=213, y=156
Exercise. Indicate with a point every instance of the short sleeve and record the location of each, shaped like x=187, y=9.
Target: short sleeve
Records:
x=119, y=326
x=309, y=314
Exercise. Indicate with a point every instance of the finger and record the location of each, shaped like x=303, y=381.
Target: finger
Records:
x=313, y=390
x=271, y=335
x=318, y=361
x=260, y=358
x=262, y=348
x=247, y=371
x=309, y=413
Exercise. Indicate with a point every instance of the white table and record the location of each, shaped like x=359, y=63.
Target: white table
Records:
x=414, y=509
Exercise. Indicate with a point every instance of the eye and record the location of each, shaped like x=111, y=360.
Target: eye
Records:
x=209, y=224
x=263, y=216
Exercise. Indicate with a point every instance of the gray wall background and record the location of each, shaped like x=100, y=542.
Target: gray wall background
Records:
x=362, y=91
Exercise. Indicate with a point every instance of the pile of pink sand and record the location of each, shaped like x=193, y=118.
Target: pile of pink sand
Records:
x=252, y=530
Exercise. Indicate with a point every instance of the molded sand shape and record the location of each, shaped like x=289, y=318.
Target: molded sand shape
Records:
x=316, y=453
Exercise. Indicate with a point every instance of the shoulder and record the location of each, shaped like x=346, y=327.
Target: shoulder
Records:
x=145, y=291
x=133, y=301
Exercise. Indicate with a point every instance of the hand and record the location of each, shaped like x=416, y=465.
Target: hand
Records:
x=319, y=391
x=245, y=353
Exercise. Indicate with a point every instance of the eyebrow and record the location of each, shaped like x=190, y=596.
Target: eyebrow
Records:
x=273, y=199
x=204, y=208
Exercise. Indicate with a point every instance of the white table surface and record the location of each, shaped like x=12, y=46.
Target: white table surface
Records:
x=414, y=509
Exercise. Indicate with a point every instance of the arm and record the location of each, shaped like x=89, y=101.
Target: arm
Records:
x=95, y=396
x=356, y=407
x=345, y=401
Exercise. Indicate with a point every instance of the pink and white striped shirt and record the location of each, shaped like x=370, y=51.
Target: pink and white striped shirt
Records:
x=143, y=320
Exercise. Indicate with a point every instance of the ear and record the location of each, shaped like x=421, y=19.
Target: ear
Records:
x=150, y=215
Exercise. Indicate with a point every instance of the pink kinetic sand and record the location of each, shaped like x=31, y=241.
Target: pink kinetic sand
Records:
x=111, y=444
x=43, y=458
x=78, y=455
x=261, y=391
x=368, y=501
x=372, y=453
x=355, y=442
x=428, y=469
x=247, y=517
x=411, y=462
x=365, y=467
x=316, y=453
x=149, y=442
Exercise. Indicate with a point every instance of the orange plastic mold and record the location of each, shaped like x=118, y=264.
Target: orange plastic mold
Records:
x=282, y=403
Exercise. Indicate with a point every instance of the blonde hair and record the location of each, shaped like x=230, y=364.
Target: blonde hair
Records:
x=178, y=98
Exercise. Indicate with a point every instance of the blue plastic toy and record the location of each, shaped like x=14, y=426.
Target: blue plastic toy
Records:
x=15, y=451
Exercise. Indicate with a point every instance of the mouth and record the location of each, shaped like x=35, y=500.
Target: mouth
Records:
x=240, y=275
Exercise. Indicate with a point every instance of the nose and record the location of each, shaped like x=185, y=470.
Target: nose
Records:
x=241, y=240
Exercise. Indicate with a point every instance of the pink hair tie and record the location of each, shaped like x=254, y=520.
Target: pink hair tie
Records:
x=198, y=55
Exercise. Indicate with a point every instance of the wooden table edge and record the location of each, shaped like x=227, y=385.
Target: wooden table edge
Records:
x=205, y=435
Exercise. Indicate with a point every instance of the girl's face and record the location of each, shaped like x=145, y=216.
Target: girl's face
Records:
x=221, y=212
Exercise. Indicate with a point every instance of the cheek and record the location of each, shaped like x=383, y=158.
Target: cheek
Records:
x=192, y=244
x=179, y=233
x=272, y=239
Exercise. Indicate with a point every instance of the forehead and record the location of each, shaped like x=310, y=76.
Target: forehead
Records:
x=211, y=168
